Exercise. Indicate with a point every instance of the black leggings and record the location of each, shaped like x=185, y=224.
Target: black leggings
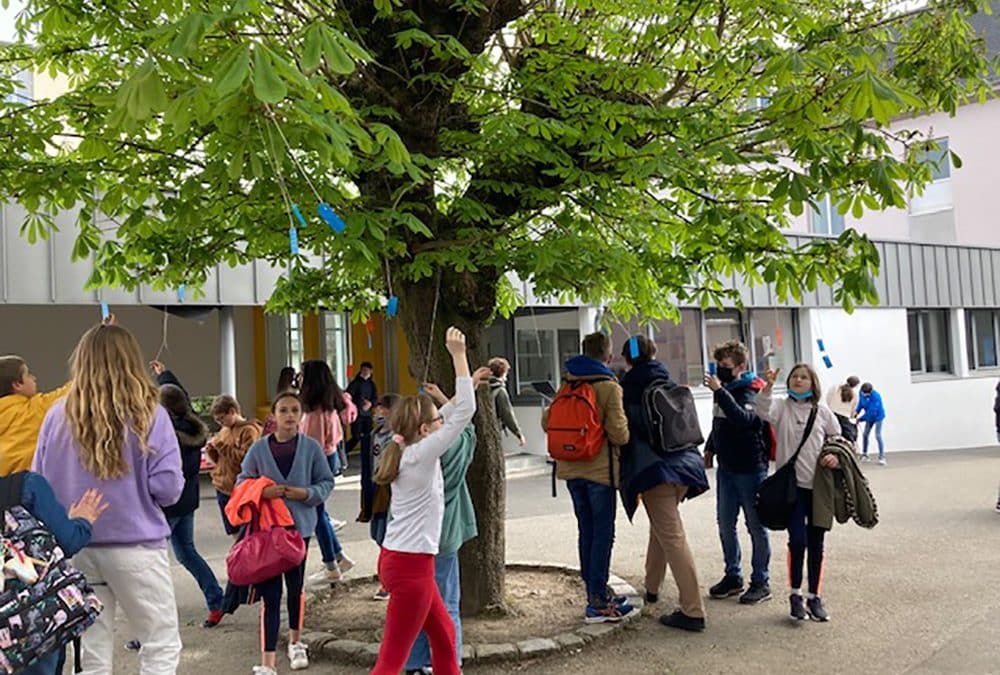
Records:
x=803, y=536
x=270, y=592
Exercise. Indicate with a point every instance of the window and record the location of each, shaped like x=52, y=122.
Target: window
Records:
x=296, y=351
x=336, y=347
x=678, y=345
x=721, y=326
x=937, y=194
x=982, y=327
x=23, y=88
x=825, y=219
x=775, y=336
x=930, y=342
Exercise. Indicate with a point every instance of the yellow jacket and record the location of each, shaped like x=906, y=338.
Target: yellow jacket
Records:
x=20, y=420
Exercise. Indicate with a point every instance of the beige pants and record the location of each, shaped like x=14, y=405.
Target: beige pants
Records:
x=668, y=545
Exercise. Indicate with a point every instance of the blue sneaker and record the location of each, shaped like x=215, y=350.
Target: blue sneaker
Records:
x=610, y=613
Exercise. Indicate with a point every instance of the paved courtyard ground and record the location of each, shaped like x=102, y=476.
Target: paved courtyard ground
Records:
x=918, y=594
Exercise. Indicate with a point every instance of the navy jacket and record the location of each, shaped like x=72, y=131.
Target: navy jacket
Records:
x=192, y=434
x=40, y=501
x=641, y=467
x=362, y=390
x=737, y=431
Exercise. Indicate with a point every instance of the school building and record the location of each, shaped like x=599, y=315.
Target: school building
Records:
x=932, y=347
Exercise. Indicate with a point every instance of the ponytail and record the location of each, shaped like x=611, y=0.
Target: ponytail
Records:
x=408, y=415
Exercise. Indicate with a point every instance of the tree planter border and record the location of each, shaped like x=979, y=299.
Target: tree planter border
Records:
x=326, y=646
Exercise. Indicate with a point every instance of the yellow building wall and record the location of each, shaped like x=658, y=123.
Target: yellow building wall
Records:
x=360, y=351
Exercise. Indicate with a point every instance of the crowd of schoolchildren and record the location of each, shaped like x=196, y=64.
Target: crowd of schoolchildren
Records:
x=124, y=451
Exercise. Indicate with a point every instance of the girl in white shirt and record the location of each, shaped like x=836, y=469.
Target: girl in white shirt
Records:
x=410, y=463
x=789, y=417
x=843, y=401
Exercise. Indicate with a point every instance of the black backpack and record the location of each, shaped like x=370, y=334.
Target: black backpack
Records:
x=671, y=417
x=38, y=618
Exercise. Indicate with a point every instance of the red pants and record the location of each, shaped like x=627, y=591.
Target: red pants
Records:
x=414, y=605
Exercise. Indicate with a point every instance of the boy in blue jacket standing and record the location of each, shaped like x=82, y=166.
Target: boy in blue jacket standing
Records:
x=872, y=413
x=738, y=443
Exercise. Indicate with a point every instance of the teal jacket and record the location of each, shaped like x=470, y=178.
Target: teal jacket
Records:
x=459, y=523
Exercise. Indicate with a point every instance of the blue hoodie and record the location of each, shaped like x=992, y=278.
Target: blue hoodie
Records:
x=641, y=467
x=871, y=404
x=585, y=366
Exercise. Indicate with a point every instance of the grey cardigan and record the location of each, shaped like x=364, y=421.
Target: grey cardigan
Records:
x=310, y=469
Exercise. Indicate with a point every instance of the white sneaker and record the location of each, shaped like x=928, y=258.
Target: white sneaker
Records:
x=338, y=525
x=345, y=564
x=298, y=655
x=864, y=458
x=881, y=462
x=264, y=670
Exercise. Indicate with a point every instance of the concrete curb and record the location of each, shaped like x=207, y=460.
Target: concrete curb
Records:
x=326, y=646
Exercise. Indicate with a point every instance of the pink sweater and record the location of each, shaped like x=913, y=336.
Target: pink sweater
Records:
x=327, y=427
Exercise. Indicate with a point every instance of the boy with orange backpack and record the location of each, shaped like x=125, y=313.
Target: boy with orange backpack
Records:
x=586, y=425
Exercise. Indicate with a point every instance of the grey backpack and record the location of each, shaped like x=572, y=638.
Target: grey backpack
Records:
x=671, y=417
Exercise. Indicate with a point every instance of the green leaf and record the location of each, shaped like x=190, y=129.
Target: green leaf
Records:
x=312, y=48
x=267, y=86
x=232, y=71
x=337, y=59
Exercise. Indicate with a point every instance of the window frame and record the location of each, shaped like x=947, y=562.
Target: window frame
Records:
x=334, y=323
x=972, y=343
x=294, y=324
x=922, y=341
x=915, y=205
x=816, y=217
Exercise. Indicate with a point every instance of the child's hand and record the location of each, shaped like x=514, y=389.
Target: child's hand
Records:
x=713, y=382
x=454, y=341
x=110, y=320
x=481, y=376
x=274, y=491
x=435, y=393
x=157, y=367
x=90, y=507
x=830, y=462
x=296, y=494
x=771, y=376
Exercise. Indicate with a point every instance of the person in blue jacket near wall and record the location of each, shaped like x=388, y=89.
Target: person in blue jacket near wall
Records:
x=872, y=413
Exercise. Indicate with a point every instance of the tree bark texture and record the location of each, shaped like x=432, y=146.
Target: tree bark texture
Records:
x=462, y=302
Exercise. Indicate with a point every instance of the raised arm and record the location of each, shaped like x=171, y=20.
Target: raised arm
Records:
x=765, y=406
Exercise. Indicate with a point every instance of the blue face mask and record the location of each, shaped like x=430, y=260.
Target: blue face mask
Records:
x=804, y=396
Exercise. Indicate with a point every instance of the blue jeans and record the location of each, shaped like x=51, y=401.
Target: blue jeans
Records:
x=326, y=537
x=46, y=665
x=446, y=576
x=182, y=541
x=878, y=437
x=737, y=491
x=223, y=499
x=595, y=506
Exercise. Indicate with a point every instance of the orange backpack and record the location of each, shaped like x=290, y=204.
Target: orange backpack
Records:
x=575, y=431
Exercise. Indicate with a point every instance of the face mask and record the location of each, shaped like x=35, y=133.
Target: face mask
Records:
x=724, y=374
x=804, y=396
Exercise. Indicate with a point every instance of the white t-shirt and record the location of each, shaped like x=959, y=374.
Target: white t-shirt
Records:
x=418, y=491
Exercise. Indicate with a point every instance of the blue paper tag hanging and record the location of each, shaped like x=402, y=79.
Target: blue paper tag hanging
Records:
x=331, y=218
x=392, y=307
x=820, y=344
x=293, y=240
x=420, y=389
x=298, y=215
x=370, y=345
x=180, y=293
x=827, y=361
x=105, y=311
x=633, y=347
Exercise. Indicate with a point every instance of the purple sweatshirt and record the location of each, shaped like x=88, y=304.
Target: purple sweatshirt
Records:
x=135, y=500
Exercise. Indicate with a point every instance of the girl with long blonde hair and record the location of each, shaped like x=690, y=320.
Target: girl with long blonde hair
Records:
x=111, y=434
x=411, y=465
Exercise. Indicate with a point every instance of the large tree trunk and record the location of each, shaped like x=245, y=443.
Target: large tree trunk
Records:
x=462, y=303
